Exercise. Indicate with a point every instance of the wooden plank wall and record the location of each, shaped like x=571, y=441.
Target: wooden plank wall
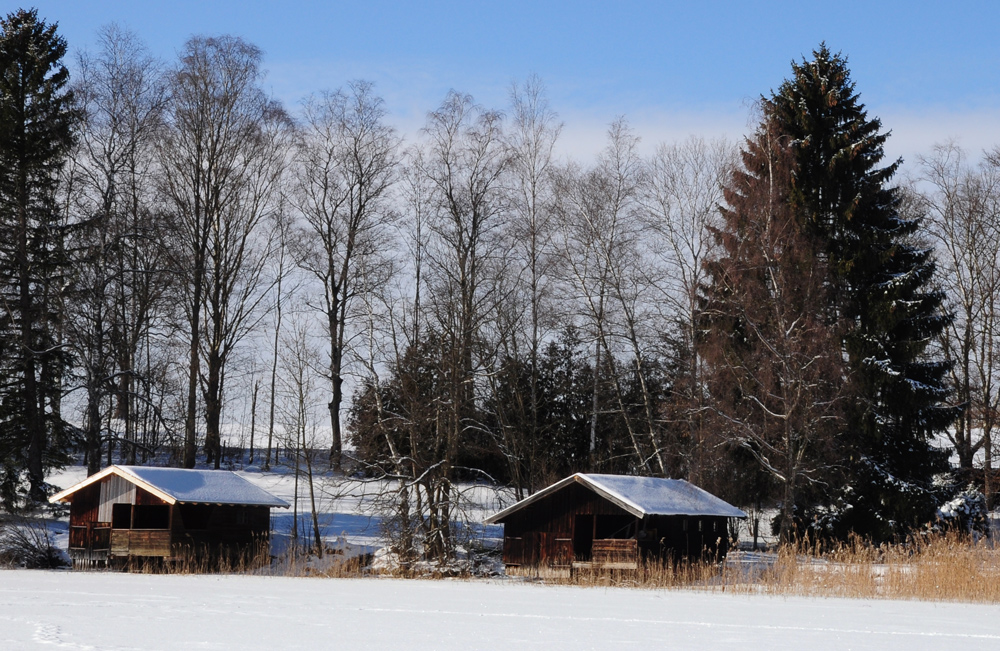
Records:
x=555, y=513
x=140, y=542
x=114, y=490
x=542, y=533
x=145, y=498
x=83, y=510
x=615, y=554
x=84, y=506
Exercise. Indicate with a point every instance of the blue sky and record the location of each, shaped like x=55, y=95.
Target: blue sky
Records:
x=930, y=70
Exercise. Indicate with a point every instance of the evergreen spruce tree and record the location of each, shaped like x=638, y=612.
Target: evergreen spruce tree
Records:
x=881, y=293
x=36, y=121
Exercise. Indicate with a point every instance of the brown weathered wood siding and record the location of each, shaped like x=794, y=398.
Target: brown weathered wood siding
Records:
x=145, y=498
x=550, y=532
x=85, y=530
x=140, y=542
x=611, y=553
x=555, y=513
x=83, y=509
x=210, y=527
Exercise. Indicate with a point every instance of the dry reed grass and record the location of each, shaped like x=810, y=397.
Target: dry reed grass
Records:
x=252, y=560
x=942, y=567
x=259, y=563
x=945, y=567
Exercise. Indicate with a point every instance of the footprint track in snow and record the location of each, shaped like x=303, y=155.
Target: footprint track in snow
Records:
x=52, y=635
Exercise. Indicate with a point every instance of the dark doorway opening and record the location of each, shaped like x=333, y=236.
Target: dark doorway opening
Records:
x=151, y=516
x=121, y=516
x=615, y=526
x=583, y=537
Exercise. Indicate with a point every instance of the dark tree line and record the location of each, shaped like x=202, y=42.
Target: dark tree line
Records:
x=177, y=247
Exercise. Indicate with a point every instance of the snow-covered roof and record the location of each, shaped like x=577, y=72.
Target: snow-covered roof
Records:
x=640, y=496
x=180, y=486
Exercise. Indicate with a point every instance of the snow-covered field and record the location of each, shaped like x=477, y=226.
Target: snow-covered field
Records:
x=101, y=610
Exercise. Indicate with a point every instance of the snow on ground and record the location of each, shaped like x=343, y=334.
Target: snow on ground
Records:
x=108, y=610
x=104, y=610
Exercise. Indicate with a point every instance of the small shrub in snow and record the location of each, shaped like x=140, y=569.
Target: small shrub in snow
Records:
x=465, y=563
x=966, y=512
x=28, y=543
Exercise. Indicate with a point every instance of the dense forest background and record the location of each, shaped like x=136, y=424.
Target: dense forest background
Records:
x=192, y=272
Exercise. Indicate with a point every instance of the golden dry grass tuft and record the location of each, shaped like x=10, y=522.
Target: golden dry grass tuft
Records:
x=944, y=567
x=252, y=560
x=937, y=568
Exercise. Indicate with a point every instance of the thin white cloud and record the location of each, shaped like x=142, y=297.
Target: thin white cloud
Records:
x=585, y=135
x=915, y=133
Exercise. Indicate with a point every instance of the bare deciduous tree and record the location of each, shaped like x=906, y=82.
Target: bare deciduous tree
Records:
x=963, y=207
x=347, y=159
x=532, y=136
x=120, y=280
x=600, y=245
x=299, y=374
x=222, y=157
x=465, y=160
x=284, y=287
x=681, y=202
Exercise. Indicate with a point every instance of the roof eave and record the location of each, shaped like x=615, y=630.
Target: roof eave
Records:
x=531, y=499
x=703, y=515
x=122, y=472
x=282, y=505
x=112, y=470
x=66, y=492
x=618, y=500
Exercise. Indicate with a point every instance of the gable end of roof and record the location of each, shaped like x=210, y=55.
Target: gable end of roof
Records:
x=640, y=496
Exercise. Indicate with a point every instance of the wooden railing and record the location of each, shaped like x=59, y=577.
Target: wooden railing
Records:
x=92, y=536
x=615, y=554
x=140, y=542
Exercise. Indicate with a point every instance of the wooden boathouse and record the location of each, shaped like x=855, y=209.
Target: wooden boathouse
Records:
x=591, y=521
x=138, y=512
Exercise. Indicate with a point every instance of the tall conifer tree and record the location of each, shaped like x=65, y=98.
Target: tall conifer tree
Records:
x=772, y=358
x=36, y=120
x=881, y=293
